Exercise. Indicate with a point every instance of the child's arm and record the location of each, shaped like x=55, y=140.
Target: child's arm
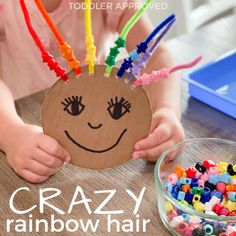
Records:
x=33, y=155
x=164, y=96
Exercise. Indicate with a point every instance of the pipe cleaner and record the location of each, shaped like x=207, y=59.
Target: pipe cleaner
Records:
x=164, y=73
x=142, y=62
x=142, y=47
x=121, y=41
x=47, y=58
x=89, y=40
x=64, y=46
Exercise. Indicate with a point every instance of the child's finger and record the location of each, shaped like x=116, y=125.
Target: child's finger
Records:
x=47, y=160
x=32, y=177
x=153, y=154
x=52, y=147
x=40, y=169
x=161, y=134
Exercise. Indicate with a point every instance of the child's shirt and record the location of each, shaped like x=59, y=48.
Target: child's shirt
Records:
x=21, y=66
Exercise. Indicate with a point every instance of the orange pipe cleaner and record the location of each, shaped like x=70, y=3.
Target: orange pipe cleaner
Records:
x=64, y=47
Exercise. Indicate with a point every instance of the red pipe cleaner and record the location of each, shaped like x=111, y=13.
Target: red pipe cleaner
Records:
x=47, y=58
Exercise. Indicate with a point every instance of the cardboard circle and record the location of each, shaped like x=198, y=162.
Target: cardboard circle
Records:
x=96, y=119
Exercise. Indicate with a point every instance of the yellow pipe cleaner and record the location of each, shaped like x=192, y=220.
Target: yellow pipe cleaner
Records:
x=89, y=39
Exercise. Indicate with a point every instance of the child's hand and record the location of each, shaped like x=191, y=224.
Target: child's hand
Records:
x=166, y=130
x=33, y=155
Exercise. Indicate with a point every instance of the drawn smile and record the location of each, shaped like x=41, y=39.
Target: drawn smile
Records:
x=95, y=151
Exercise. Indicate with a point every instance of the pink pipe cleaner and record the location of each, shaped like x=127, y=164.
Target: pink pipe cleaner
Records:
x=164, y=73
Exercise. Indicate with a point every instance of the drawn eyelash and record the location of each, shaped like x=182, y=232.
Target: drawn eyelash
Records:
x=73, y=105
x=118, y=108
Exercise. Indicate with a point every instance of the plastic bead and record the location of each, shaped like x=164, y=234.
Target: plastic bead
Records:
x=183, y=202
x=207, y=191
x=233, y=213
x=69, y=56
x=208, y=206
x=194, y=182
x=181, y=195
x=169, y=187
x=201, y=183
x=186, y=188
x=204, y=199
x=185, y=181
x=200, y=167
x=179, y=171
x=213, y=179
x=91, y=53
x=230, y=169
x=114, y=51
x=198, y=232
x=134, y=55
x=181, y=228
x=175, y=189
x=233, y=180
x=213, y=171
x=53, y=65
x=234, y=168
x=208, y=229
x=125, y=66
x=209, y=163
x=230, y=187
x=168, y=206
x=189, y=197
x=219, y=195
x=197, y=190
x=215, y=200
x=195, y=219
x=221, y=187
x=232, y=196
x=222, y=167
x=189, y=231
x=205, y=177
x=191, y=172
x=232, y=234
x=175, y=221
x=173, y=178
x=223, y=212
x=225, y=178
x=196, y=198
x=199, y=206
x=172, y=214
x=210, y=186
x=217, y=208
x=186, y=218
x=218, y=229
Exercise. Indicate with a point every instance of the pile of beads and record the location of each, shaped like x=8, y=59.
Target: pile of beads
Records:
x=209, y=188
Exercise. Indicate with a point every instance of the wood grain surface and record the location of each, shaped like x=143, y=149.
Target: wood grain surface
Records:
x=198, y=120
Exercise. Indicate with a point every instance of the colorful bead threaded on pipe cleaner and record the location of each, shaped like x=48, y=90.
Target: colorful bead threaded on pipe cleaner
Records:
x=142, y=47
x=89, y=40
x=65, y=49
x=146, y=79
x=121, y=41
x=47, y=58
x=142, y=62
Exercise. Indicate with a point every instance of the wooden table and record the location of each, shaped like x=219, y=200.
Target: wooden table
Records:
x=199, y=120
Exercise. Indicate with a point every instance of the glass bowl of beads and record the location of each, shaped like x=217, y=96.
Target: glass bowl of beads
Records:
x=196, y=187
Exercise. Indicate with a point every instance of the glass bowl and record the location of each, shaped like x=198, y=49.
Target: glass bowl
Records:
x=187, y=154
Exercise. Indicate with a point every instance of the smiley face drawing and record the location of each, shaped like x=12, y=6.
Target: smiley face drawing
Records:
x=96, y=119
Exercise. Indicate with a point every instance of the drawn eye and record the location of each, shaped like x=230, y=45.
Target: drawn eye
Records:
x=73, y=105
x=118, y=108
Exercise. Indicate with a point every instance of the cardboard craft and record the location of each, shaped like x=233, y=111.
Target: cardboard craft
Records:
x=96, y=119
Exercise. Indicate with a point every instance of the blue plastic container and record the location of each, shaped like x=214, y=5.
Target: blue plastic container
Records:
x=215, y=84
